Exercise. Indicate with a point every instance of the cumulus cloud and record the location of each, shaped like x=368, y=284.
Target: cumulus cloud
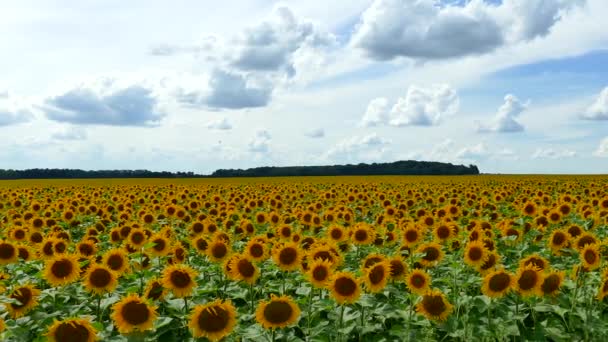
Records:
x=428, y=29
x=602, y=149
x=369, y=146
x=106, y=101
x=551, y=153
x=260, y=142
x=228, y=90
x=376, y=113
x=70, y=133
x=220, y=124
x=424, y=106
x=13, y=110
x=599, y=109
x=315, y=133
x=475, y=152
x=505, y=119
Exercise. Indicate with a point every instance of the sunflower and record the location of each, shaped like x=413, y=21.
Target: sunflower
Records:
x=319, y=272
x=535, y=260
x=180, y=279
x=137, y=238
x=86, y=248
x=256, y=250
x=241, y=268
x=26, y=297
x=443, y=232
x=100, y=279
x=529, y=209
x=497, y=283
x=218, y=250
x=287, y=256
x=160, y=245
x=155, y=290
x=490, y=264
x=398, y=268
x=590, y=256
x=62, y=270
x=117, y=260
x=432, y=254
x=336, y=233
x=278, y=312
x=363, y=234
x=325, y=252
x=24, y=252
x=133, y=313
x=213, y=320
x=528, y=280
x=475, y=253
x=585, y=239
x=344, y=287
x=8, y=253
x=558, y=240
x=434, y=305
x=551, y=283
x=73, y=330
x=603, y=289
x=418, y=281
x=376, y=276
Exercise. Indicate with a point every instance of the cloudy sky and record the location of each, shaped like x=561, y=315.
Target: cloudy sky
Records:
x=513, y=86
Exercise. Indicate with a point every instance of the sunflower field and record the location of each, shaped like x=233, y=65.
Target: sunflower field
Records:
x=472, y=258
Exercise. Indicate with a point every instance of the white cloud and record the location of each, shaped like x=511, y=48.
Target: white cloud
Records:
x=551, y=153
x=475, y=152
x=602, y=149
x=260, y=142
x=369, y=146
x=599, y=109
x=13, y=109
x=427, y=29
x=315, y=133
x=105, y=101
x=220, y=124
x=424, y=106
x=376, y=113
x=505, y=119
x=70, y=133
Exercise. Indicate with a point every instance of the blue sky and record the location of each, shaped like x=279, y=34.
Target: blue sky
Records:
x=514, y=86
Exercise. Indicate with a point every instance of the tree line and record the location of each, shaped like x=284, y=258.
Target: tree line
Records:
x=409, y=167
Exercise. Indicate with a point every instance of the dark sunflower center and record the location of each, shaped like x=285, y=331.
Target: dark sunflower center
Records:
x=411, y=235
x=345, y=286
x=277, y=312
x=371, y=261
x=336, y=234
x=47, y=249
x=550, y=284
x=135, y=313
x=246, y=268
x=320, y=273
x=585, y=240
x=256, y=250
x=100, y=277
x=23, y=295
x=360, y=235
x=499, y=282
x=137, y=238
x=156, y=289
x=115, y=262
x=432, y=254
x=558, y=238
x=219, y=250
x=7, y=251
x=159, y=245
x=198, y=227
x=71, y=332
x=418, y=281
x=489, y=263
x=443, y=232
x=323, y=255
x=475, y=253
x=397, y=268
x=24, y=253
x=180, y=279
x=288, y=256
x=62, y=268
x=213, y=319
x=527, y=280
x=85, y=249
x=434, y=305
x=377, y=274
x=19, y=234
x=590, y=256
x=60, y=247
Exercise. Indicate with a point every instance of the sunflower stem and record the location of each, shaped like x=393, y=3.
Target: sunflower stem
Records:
x=99, y=308
x=310, y=297
x=573, y=300
x=251, y=296
x=186, y=305
x=341, y=322
x=273, y=335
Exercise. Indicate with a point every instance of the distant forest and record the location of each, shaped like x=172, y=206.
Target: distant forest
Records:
x=409, y=167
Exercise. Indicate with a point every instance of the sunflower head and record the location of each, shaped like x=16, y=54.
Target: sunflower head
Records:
x=551, y=283
x=344, y=287
x=528, y=280
x=256, y=250
x=418, y=281
x=8, y=253
x=117, y=260
x=398, y=268
x=287, y=256
x=497, y=283
x=132, y=314
x=376, y=276
x=434, y=305
x=26, y=297
x=319, y=272
x=278, y=312
x=475, y=253
x=62, y=270
x=100, y=279
x=590, y=256
x=72, y=329
x=180, y=279
x=213, y=321
x=431, y=252
x=218, y=250
x=241, y=268
x=155, y=290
